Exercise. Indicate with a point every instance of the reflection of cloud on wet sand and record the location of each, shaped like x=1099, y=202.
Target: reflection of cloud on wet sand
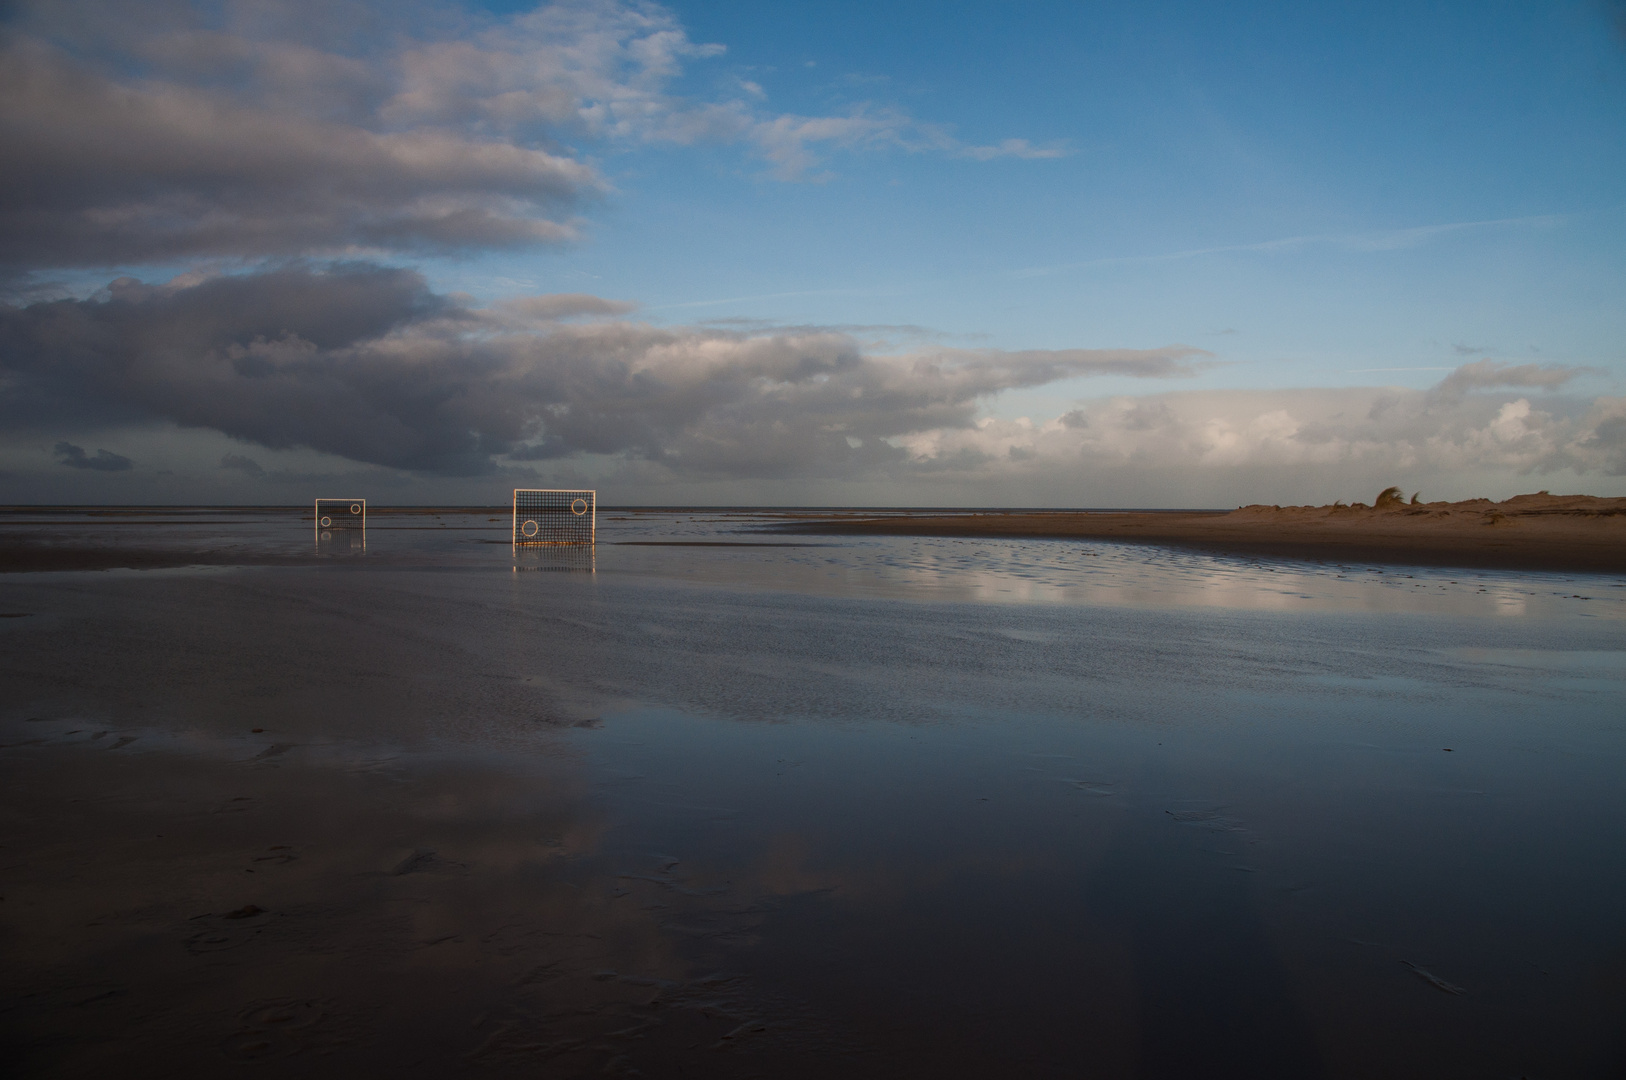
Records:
x=922, y=838
x=463, y=911
x=479, y=906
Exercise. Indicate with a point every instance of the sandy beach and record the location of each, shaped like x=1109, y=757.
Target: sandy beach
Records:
x=1526, y=532
x=1566, y=533
x=883, y=806
x=651, y=540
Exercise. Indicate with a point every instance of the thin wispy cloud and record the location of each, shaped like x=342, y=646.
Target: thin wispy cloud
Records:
x=1371, y=370
x=763, y=296
x=1374, y=241
x=1014, y=148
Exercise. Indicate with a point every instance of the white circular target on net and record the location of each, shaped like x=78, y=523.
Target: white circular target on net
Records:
x=529, y=528
x=326, y=522
x=579, y=507
x=355, y=508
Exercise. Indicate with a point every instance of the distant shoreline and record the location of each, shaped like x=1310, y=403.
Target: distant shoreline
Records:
x=1565, y=533
x=1527, y=532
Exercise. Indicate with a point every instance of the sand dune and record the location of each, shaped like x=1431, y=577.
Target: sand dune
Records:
x=1535, y=532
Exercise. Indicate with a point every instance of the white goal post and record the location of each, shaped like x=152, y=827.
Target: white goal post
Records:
x=555, y=516
x=340, y=514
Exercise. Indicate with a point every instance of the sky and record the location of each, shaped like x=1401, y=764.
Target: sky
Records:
x=950, y=254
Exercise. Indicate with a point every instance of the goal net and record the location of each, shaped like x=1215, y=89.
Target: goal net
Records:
x=340, y=514
x=549, y=516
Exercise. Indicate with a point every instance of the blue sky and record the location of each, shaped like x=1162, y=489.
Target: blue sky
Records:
x=1451, y=176
x=1313, y=200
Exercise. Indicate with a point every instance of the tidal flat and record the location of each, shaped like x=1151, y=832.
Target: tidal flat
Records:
x=715, y=800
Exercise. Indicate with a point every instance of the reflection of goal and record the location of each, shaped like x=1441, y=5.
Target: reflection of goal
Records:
x=340, y=514
x=554, y=516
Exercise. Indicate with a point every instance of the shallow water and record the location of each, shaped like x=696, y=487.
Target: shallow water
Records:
x=883, y=806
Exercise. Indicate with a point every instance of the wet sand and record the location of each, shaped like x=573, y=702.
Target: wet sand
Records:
x=733, y=811
x=1527, y=532
x=41, y=539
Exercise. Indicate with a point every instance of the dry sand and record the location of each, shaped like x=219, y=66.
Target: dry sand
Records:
x=1526, y=532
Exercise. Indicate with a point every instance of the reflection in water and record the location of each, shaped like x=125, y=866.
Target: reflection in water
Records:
x=341, y=526
x=564, y=557
x=341, y=542
x=335, y=514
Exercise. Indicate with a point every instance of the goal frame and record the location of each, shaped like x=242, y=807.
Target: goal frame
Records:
x=537, y=539
x=349, y=521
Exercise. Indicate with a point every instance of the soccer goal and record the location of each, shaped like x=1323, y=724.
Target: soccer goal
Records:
x=340, y=514
x=548, y=516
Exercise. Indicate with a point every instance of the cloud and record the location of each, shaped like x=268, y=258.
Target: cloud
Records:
x=1492, y=374
x=793, y=143
x=787, y=140
x=1188, y=447
x=366, y=363
x=556, y=306
x=98, y=173
x=1602, y=442
x=1381, y=240
x=1016, y=148
x=1308, y=432
x=144, y=133
x=74, y=457
x=242, y=464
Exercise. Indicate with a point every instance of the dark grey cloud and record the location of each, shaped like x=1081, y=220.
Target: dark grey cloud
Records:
x=243, y=464
x=1494, y=374
x=143, y=132
x=365, y=362
x=100, y=172
x=74, y=457
x=1606, y=444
